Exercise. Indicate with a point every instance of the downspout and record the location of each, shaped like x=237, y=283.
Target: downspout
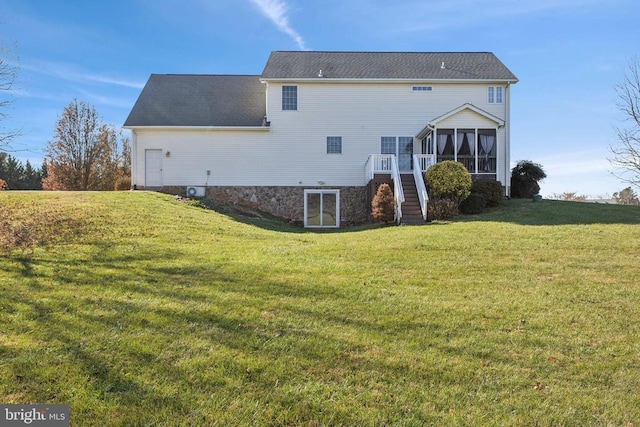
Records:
x=134, y=155
x=507, y=131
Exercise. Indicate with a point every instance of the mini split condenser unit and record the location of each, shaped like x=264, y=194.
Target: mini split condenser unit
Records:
x=195, y=191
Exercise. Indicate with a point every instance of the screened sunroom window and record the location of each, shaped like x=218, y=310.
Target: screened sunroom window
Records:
x=474, y=148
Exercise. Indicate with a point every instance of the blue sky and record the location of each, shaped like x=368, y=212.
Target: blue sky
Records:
x=568, y=55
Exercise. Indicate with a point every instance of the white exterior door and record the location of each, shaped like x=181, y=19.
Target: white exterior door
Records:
x=153, y=168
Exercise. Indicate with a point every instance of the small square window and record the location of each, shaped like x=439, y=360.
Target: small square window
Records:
x=494, y=94
x=289, y=97
x=334, y=145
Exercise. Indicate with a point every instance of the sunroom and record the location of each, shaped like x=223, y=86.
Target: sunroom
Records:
x=467, y=135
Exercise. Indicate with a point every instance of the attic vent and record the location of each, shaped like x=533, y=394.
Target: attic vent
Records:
x=422, y=88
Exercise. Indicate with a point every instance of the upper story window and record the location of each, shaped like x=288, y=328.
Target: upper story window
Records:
x=334, y=145
x=494, y=94
x=422, y=88
x=289, y=97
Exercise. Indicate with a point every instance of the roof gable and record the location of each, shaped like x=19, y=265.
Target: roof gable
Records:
x=199, y=100
x=386, y=65
x=464, y=107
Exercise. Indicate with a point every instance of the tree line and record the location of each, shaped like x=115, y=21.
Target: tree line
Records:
x=19, y=176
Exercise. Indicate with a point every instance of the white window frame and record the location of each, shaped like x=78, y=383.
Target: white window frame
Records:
x=322, y=192
x=337, y=139
x=495, y=95
x=288, y=107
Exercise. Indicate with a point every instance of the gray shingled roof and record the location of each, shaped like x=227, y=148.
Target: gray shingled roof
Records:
x=386, y=65
x=199, y=100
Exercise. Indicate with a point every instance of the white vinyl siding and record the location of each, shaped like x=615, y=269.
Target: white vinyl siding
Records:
x=467, y=119
x=293, y=150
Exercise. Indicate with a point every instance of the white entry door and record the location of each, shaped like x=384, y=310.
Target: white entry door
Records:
x=153, y=168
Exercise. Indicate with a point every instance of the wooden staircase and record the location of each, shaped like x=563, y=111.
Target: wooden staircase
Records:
x=411, y=212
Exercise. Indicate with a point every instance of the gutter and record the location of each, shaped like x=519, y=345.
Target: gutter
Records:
x=211, y=128
x=384, y=80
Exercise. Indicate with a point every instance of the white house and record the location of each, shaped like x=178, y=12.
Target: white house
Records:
x=305, y=139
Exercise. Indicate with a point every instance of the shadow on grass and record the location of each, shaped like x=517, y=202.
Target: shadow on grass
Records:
x=557, y=212
x=250, y=216
x=153, y=338
x=516, y=211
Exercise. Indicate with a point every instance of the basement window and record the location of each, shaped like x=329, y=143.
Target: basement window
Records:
x=321, y=208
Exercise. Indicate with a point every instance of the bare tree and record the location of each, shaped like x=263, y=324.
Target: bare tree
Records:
x=84, y=154
x=8, y=75
x=626, y=153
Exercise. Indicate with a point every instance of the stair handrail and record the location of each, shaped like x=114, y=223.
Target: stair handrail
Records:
x=420, y=186
x=398, y=192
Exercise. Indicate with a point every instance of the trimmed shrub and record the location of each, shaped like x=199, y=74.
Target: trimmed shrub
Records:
x=474, y=204
x=382, y=205
x=449, y=180
x=123, y=184
x=524, y=179
x=3, y=184
x=492, y=191
x=441, y=209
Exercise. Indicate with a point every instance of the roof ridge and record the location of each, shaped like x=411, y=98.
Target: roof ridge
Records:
x=376, y=51
x=205, y=75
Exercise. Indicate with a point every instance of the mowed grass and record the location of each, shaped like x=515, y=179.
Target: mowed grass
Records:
x=156, y=312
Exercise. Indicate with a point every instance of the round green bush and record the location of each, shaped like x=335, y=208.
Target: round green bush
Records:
x=492, y=191
x=449, y=180
x=474, y=204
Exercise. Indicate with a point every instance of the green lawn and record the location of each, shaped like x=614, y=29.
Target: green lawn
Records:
x=142, y=310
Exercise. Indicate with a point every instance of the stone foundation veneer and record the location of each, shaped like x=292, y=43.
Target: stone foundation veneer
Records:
x=287, y=202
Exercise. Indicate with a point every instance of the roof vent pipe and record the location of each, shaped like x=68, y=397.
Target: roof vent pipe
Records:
x=442, y=67
x=320, y=74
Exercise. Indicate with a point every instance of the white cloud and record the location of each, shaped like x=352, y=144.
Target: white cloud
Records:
x=109, y=101
x=276, y=11
x=71, y=73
